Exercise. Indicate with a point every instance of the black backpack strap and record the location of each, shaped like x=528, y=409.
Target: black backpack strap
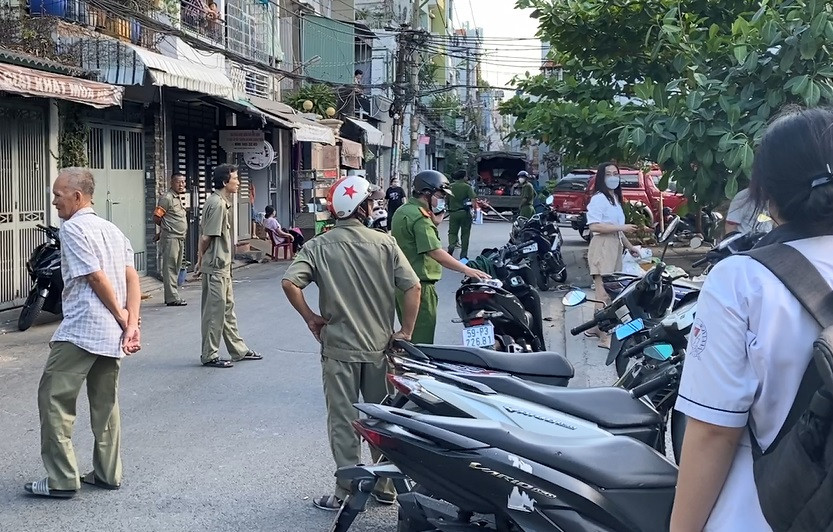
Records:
x=805, y=282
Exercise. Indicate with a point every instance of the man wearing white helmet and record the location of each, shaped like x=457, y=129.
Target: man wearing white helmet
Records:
x=357, y=270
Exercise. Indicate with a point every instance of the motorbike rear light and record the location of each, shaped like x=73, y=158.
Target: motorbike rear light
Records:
x=404, y=385
x=475, y=298
x=476, y=321
x=373, y=437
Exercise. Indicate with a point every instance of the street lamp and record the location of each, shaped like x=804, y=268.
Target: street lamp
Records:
x=331, y=112
x=308, y=105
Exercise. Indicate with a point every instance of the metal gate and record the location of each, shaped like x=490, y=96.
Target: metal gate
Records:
x=24, y=196
x=117, y=160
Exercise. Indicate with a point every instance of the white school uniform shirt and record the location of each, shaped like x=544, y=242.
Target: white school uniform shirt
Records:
x=600, y=211
x=747, y=352
x=90, y=244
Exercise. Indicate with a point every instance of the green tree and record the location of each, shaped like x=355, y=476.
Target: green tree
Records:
x=689, y=84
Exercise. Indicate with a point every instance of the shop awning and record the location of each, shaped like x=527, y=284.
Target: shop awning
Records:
x=352, y=153
x=31, y=82
x=123, y=63
x=303, y=129
x=374, y=136
x=169, y=72
x=247, y=107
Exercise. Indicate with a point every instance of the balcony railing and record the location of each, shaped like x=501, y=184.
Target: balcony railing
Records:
x=84, y=13
x=203, y=18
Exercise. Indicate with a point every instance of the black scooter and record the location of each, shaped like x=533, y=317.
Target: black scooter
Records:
x=544, y=252
x=482, y=475
x=504, y=313
x=44, y=267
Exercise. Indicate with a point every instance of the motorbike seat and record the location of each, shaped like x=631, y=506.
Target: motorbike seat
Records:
x=610, y=462
x=541, y=363
x=609, y=407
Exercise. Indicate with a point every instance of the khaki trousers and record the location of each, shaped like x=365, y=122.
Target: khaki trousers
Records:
x=67, y=367
x=172, y=250
x=343, y=381
x=219, y=319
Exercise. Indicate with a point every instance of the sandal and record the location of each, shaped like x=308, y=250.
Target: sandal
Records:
x=217, y=363
x=591, y=334
x=178, y=303
x=41, y=488
x=330, y=503
x=251, y=355
x=93, y=480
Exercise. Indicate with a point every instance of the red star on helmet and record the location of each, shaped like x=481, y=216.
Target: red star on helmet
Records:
x=349, y=191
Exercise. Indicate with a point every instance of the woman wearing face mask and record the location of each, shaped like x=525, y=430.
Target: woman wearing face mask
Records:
x=606, y=220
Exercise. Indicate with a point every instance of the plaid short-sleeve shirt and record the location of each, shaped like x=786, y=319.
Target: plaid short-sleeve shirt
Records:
x=90, y=244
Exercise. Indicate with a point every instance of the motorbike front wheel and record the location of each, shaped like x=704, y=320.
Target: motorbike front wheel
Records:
x=541, y=279
x=31, y=310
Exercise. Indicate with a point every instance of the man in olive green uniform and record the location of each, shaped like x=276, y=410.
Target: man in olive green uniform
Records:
x=357, y=270
x=527, y=195
x=460, y=203
x=214, y=264
x=416, y=233
x=170, y=216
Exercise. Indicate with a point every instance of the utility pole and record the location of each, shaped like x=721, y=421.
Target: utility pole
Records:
x=398, y=109
x=415, y=65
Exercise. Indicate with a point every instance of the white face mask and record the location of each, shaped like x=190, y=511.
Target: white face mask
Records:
x=440, y=206
x=612, y=182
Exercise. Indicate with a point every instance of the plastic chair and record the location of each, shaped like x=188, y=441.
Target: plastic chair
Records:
x=286, y=246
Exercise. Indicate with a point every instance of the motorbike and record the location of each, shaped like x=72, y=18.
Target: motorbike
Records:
x=44, y=267
x=503, y=313
x=544, y=254
x=476, y=474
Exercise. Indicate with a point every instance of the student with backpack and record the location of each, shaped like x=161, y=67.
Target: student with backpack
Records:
x=751, y=389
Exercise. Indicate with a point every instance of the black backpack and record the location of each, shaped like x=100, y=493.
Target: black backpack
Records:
x=794, y=477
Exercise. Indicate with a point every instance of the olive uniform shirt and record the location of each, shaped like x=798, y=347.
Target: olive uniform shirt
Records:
x=357, y=270
x=216, y=222
x=417, y=235
x=174, y=222
x=462, y=194
x=527, y=194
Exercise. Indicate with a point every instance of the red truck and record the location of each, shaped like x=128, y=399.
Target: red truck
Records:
x=573, y=192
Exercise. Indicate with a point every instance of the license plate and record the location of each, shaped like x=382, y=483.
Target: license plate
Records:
x=629, y=329
x=532, y=248
x=479, y=336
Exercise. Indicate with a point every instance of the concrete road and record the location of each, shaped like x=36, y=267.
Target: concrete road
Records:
x=213, y=449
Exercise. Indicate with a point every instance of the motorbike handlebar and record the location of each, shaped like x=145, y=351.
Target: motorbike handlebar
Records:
x=575, y=331
x=655, y=384
x=638, y=347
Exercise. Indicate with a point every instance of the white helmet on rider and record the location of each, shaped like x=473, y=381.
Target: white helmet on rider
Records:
x=349, y=193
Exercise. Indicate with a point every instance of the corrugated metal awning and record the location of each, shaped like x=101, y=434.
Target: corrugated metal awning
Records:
x=303, y=129
x=352, y=153
x=374, y=136
x=30, y=82
x=169, y=72
x=247, y=107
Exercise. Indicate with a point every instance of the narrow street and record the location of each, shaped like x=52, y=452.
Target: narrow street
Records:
x=214, y=450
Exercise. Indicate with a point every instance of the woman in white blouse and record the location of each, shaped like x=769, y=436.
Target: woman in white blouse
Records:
x=606, y=220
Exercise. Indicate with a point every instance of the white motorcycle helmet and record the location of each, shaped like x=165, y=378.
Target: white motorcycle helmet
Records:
x=348, y=193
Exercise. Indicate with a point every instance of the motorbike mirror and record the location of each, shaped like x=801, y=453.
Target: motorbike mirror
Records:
x=550, y=200
x=695, y=242
x=573, y=298
x=659, y=351
x=670, y=229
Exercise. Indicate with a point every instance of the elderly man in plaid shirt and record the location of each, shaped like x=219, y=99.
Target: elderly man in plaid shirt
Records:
x=101, y=324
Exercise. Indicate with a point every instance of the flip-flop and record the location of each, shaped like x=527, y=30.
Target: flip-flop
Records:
x=591, y=334
x=41, y=488
x=178, y=303
x=93, y=480
x=217, y=363
x=251, y=355
x=330, y=503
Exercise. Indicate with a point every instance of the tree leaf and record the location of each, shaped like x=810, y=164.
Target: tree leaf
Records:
x=746, y=157
x=700, y=79
x=812, y=94
x=733, y=115
x=741, y=51
x=818, y=25
x=638, y=136
x=677, y=153
x=751, y=63
x=808, y=47
x=708, y=158
x=664, y=180
x=731, y=188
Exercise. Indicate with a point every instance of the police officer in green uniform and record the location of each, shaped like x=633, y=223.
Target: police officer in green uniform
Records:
x=460, y=204
x=415, y=230
x=357, y=269
x=527, y=195
x=169, y=215
x=214, y=265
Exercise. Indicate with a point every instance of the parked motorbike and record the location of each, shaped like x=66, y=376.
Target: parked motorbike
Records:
x=481, y=475
x=44, y=267
x=544, y=254
x=503, y=313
